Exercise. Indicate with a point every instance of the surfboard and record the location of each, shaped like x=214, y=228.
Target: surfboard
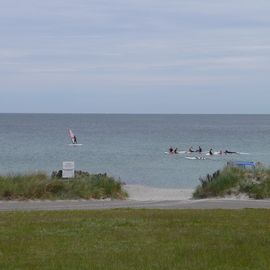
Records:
x=75, y=144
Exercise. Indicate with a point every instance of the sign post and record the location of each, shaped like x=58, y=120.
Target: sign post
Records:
x=68, y=169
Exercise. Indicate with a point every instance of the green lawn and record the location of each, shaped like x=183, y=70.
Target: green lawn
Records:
x=136, y=239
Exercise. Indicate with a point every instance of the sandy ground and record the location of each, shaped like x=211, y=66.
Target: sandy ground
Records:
x=144, y=193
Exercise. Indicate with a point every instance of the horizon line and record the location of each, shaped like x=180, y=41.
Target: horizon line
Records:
x=126, y=113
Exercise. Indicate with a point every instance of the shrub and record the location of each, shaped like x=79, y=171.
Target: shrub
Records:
x=40, y=186
x=231, y=180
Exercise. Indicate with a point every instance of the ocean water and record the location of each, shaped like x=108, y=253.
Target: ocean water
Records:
x=131, y=147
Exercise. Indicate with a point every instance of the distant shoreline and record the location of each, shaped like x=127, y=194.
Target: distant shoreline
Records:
x=135, y=114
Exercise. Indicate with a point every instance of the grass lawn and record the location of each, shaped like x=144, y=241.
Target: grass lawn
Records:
x=135, y=239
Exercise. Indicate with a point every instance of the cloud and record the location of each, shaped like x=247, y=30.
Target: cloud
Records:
x=9, y=53
x=109, y=45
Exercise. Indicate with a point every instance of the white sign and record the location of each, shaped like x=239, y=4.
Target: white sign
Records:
x=68, y=169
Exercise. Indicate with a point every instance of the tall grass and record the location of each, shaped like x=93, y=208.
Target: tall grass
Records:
x=255, y=183
x=40, y=186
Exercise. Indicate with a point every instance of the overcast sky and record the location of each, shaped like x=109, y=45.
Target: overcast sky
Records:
x=135, y=56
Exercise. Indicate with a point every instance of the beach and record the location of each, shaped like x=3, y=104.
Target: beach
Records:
x=145, y=193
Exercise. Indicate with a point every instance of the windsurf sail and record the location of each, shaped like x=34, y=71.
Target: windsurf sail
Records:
x=72, y=136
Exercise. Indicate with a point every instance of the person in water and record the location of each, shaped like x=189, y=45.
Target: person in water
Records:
x=75, y=140
x=229, y=152
x=211, y=152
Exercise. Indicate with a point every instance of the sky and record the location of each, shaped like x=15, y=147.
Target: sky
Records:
x=135, y=56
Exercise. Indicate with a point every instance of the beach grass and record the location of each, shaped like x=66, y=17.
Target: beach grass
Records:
x=254, y=183
x=135, y=239
x=41, y=186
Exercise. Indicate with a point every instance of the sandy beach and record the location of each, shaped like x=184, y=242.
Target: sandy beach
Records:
x=144, y=193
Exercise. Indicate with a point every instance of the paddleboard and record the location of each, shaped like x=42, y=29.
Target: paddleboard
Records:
x=226, y=154
x=177, y=153
x=196, y=158
x=214, y=154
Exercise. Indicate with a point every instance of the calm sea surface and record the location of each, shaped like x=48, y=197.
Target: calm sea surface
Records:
x=131, y=147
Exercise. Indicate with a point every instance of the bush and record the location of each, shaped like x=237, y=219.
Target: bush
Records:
x=231, y=180
x=40, y=186
x=218, y=184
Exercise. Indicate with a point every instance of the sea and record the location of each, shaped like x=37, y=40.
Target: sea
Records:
x=131, y=147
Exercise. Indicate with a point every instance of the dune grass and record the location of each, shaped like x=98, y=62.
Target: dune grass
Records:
x=41, y=186
x=255, y=183
x=136, y=239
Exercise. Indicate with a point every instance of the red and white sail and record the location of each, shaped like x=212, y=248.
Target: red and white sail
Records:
x=71, y=135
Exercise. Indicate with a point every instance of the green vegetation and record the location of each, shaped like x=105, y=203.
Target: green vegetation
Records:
x=136, y=239
x=255, y=183
x=40, y=186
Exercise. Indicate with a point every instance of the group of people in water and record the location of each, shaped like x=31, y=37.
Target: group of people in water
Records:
x=199, y=150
